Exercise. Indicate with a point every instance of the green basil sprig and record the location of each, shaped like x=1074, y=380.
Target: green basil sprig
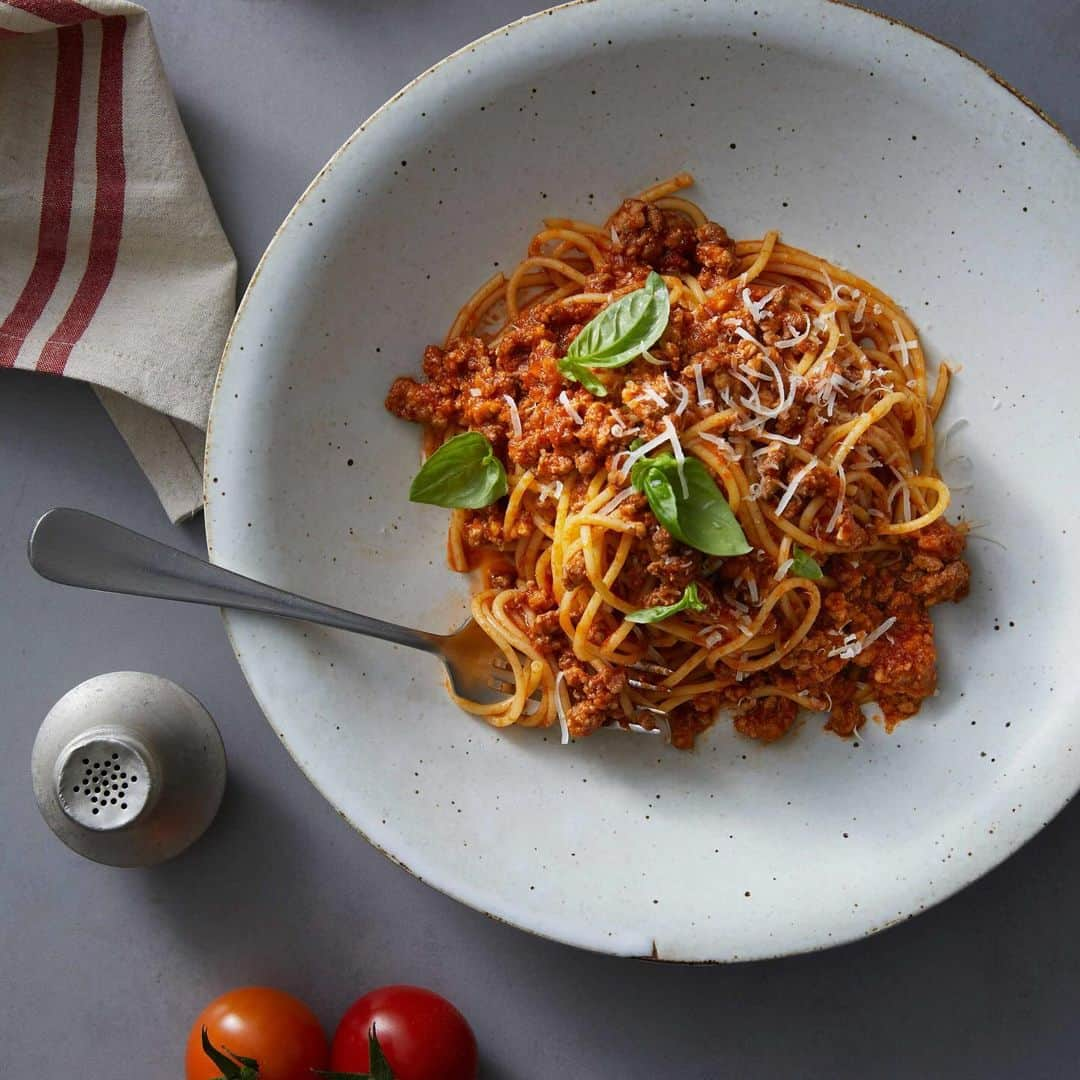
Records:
x=804, y=566
x=701, y=518
x=689, y=601
x=619, y=334
x=463, y=473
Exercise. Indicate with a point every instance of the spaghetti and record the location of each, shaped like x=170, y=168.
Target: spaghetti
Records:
x=803, y=391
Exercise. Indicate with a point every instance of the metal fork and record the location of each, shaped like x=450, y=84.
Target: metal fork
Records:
x=73, y=547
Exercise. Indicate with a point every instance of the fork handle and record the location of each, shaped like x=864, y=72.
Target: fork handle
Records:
x=73, y=547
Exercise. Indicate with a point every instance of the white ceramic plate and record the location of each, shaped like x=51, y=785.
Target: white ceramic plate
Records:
x=862, y=141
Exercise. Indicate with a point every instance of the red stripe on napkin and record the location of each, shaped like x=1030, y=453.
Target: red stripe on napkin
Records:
x=57, y=11
x=108, y=220
x=55, y=198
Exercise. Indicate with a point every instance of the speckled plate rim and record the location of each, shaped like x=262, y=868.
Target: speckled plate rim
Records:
x=448, y=888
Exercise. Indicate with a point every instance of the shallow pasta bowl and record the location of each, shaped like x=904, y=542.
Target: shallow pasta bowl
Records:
x=862, y=141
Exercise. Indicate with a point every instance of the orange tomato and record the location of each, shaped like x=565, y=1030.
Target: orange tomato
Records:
x=281, y=1033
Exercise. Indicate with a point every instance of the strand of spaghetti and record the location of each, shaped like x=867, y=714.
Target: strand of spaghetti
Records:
x=801, y=698
x=455, y=542
x=586, y=298
x=931, y=483
x=810, y=512
x=747, y=634
x=506, y=712
x=719, y=467
x=941, y=388
x=513, y=504
x=724, y=417
x=787, y=608
x=674, y=700
x=611, y=650
x=682, y=206
x=543, y=571
x=760, y=261
x=613, y=523
x=602, y=579
x=797, y=636
x=491, y=287
x=663, y=188
x=558, y=544
x=558, y=265
x=588, y=228
x=693, y=287
x=854, y=429
x=572, y=237
x=543, y=525
x=528, y=566
x=737, y=489
x=809, y=543
x=695, y=660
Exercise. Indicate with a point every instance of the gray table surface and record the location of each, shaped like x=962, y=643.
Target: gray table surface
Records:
x=102, y=971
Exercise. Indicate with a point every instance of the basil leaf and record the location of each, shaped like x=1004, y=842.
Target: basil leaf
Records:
x=804, y=566
x=664, y=462
x=463, y=473
x=660, y=492
x=584, y=376
x=689, y=601
x=620, y=333
x=701, y=518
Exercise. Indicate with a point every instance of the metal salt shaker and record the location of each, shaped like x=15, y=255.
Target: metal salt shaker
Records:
x=128, y=769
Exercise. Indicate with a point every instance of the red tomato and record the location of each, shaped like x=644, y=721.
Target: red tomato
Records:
x=421, y=1034
x=281, y=1033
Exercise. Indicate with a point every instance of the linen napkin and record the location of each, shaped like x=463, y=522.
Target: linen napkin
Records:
x=114, y=268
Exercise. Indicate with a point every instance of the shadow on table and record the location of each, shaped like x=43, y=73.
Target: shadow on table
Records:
x=999, y=958
x=223, y=896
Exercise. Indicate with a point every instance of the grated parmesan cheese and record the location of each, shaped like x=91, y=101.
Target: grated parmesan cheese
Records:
x=838, y=508
x=721, y=443
x=902, y=345
x=667, y=434
x=746, y=336
x=782, y=569
x=752, y=588
x=798, y=339
x=680, y=457
x=614, y=503
x=560, y=709
x=650, y=359
x=852, y=646
x=515, y=419
x=789, y=494
x=699, y=382
x=567, y=404
x=791, y=440
x=757, y=308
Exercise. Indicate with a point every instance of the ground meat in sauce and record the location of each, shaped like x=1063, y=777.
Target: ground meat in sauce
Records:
x=465, y=386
